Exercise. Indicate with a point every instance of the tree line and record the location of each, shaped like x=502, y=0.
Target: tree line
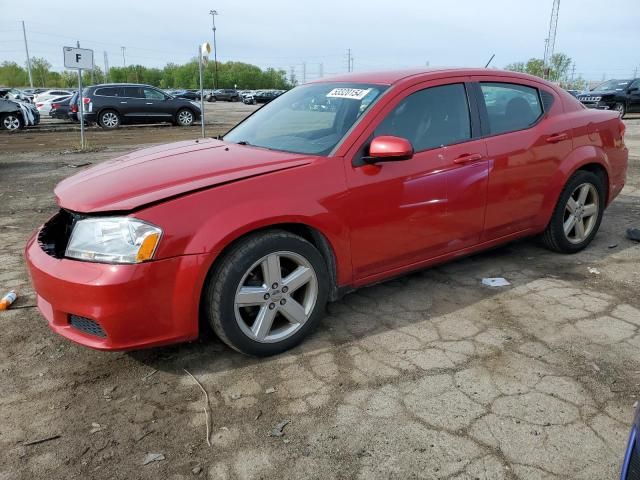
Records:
x=559, y=70
x=230, y=75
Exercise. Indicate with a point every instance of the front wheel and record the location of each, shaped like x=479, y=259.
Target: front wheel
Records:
x=621, y=109
x=267, y=294
x=11, y=122
x=578, y=213
x=184, y=117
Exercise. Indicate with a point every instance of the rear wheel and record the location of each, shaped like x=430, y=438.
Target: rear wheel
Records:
x=184, y=117
x=108, y=119
x=267, y=294
x=578, y=213
x=11, y=122
x=621, y=109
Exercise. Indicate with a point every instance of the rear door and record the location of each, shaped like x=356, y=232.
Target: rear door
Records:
x=407, y=212
x=526, y=141
x=133, y=103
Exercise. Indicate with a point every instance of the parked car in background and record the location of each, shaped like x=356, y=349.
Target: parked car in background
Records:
x=574, y=93
x=265, y=96
x=226, y=94
x=248, y=97
x=187, y=94
x=60, y=109
x=254, y=233
x=16, y=114
x=73, y=107
x=48, y=94
x=631, y=463
x=114, y=104
x=45, y=107
x=14, y=94
x=620, y=95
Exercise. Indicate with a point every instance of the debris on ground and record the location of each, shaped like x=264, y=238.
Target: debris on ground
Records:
x=495, y=282
x=270, y=390
x=593, y=270
x=41, y=440
x=235, y=396
x=78, y=165
x=258, y=415
x=633, y=234
x=96, y=427
x=7, y=300
x=613, y=245
x=107, y=392
x=153, y=457
x=206, y=407
x=150, y=374
x=278, y=430
x=196, y=470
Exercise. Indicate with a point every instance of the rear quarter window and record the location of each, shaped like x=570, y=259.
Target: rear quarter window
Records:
x=510, y=106
x=108, y=92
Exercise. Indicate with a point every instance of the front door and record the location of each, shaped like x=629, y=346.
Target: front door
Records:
x=633, y=104
x=406, y=212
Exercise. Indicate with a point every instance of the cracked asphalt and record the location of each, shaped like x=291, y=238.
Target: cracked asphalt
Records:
x=430, y=376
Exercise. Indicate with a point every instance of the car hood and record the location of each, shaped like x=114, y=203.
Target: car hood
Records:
x=599, y=94
x=154, y=174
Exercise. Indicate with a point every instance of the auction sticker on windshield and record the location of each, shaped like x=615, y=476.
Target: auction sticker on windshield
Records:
x=353, y=93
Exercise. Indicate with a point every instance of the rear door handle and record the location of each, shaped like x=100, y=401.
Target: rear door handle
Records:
x=474, y=157
x=123, y=102
x=558, y=137
x=149, y=103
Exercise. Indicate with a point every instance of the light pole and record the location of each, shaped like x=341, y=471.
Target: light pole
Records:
x=213, y=14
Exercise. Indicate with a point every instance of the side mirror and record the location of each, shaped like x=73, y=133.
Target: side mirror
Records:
x=387, y=148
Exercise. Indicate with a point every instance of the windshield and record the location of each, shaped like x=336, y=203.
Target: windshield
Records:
x=612, y=86
x=309, y=119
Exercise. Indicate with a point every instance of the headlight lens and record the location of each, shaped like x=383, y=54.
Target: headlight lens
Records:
x=113, y=240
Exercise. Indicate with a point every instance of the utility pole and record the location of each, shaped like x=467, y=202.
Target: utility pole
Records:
x=213, y=14
x=551, y=39
x=292, y=76
x=348, y=59
x=321, y=70
x=635, y=73
x=26, y=48
x=573, y=72
x=106, y=67
x=124, y=60
x=352, y=64
x=304, y=72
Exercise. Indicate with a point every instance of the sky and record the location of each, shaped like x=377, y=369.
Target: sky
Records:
x=603, y=38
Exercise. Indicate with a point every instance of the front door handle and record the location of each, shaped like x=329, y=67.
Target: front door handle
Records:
x=123, y=102
x=149, y=103
x=558, y=137
x=474, y=157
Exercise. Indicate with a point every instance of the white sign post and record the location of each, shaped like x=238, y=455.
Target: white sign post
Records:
x=203, y=52
x=79, y=59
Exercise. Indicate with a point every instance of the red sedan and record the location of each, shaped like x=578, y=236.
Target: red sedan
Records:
x=334, y=185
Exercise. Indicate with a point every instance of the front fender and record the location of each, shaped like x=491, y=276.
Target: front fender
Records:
x=578, y=158
x=208, y=221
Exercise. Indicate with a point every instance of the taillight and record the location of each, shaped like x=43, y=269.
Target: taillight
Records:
x=55, y=105
x=74, y=108
x=86, y=100
x=38, y=105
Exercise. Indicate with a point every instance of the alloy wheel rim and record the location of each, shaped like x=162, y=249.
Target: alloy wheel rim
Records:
x=620, y=108
x=581, y=213
x=276, y=297
x=11, y=122
x=110, y=119
x=185, y=118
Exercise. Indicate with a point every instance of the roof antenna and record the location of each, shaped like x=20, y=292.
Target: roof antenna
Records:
x=490, y=60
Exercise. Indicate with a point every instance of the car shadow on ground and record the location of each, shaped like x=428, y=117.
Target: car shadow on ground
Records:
x=411, y=299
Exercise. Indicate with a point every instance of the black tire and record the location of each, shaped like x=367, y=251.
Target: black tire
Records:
x=108, y=119
x=185, y=117
x=621, y=109
x=11, y=122
x=554, y=237
x=225, y=278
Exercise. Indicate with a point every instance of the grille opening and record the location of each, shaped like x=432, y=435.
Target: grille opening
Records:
x=87, y=326
x=54, y=235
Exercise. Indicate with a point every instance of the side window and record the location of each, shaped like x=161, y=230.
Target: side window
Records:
x=107, y=92
x=635, y=84
x=510, y=106
x=153, y=94
x=132, y=92
x=430, y=118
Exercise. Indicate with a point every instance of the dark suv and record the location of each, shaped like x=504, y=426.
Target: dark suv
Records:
x=620, y=95
x=111, y=105
x=228, y=94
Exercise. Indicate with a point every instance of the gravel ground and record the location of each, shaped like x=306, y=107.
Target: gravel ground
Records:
x=428, y=376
